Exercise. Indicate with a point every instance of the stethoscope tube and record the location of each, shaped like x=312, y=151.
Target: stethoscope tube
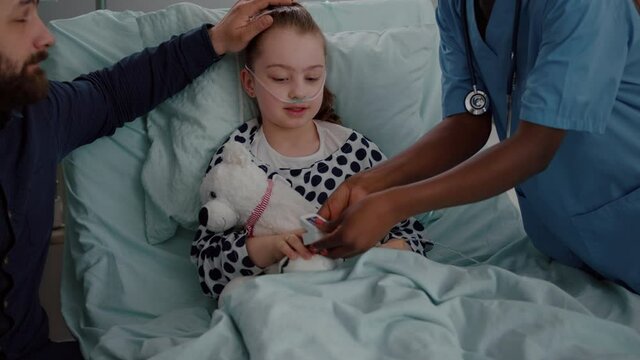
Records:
x=477, y=101
x=512, y=81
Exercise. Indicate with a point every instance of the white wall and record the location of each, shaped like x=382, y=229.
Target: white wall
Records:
x=151, y=5
x=62, y=9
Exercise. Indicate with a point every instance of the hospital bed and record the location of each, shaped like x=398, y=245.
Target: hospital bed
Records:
x=129, y=290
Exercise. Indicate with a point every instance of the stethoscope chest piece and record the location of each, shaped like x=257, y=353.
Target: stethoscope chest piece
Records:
x=477, y=102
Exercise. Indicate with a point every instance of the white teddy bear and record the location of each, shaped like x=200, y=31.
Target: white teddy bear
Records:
x=237, y=192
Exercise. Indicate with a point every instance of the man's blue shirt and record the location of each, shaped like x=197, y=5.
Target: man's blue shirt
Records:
x=34, y=139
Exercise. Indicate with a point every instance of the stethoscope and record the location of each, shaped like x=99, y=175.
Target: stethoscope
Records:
x=477, y=102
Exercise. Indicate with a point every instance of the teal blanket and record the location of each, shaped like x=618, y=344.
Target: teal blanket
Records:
x=389, y=304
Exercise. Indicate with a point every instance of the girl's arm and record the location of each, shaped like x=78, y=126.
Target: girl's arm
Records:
x=410, y=231
x=220, y=257
x=265, y=251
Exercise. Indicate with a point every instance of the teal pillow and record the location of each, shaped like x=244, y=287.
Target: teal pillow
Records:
x=381, y=78
x=387, y=83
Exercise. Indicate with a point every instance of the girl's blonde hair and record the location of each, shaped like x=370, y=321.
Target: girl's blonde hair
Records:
x=296, y=17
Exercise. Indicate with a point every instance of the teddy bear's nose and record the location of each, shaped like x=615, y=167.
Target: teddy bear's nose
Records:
x=203, y=216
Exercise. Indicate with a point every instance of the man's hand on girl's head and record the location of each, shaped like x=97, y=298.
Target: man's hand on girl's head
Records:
x=241, y=24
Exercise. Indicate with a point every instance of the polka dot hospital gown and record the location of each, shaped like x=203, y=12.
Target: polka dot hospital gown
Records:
x=223, y=256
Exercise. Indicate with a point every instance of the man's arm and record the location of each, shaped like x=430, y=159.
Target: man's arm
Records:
x=94, y=105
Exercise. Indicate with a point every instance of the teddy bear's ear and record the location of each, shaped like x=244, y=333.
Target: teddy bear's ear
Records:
x=236, y=153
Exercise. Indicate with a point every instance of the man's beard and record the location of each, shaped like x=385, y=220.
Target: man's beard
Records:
x=25, y=87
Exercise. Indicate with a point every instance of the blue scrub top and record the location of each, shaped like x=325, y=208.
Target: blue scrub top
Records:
x=578, y=70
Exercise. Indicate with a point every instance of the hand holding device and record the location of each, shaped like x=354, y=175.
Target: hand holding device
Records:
x=310, y=223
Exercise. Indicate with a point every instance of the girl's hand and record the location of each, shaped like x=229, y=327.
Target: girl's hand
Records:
x=291, y=246
x=265, y=251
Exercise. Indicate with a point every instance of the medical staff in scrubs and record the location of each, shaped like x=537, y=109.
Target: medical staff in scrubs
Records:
x=572, y=151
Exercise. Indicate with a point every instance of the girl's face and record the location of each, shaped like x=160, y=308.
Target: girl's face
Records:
x=288, y=65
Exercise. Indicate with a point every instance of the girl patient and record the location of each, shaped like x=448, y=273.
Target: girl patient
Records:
x=297, y=136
